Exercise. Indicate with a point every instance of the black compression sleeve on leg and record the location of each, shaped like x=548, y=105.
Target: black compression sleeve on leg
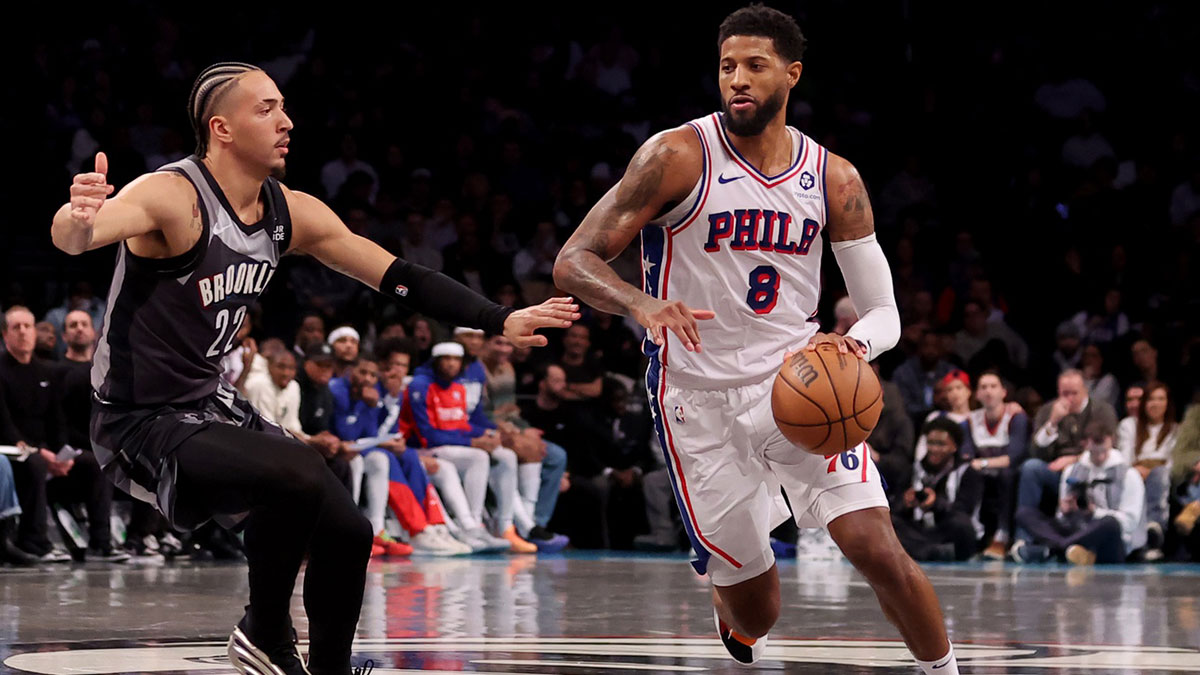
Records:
x=437, y=295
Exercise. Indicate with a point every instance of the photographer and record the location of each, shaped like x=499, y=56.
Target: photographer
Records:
x=937, y=518
x=1101, y=512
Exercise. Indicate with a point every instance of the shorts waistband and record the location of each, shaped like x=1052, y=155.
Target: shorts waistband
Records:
x=691, y=382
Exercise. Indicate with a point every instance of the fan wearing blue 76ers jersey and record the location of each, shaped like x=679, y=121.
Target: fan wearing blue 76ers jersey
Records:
x=730, y=208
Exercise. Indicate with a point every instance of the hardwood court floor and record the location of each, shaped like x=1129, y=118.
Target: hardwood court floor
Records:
x=581, y=613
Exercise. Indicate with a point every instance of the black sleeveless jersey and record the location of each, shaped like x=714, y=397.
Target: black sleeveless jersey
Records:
x=169, y=321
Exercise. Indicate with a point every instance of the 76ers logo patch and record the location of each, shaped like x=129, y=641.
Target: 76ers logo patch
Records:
x=402, y=290
x=807, y=180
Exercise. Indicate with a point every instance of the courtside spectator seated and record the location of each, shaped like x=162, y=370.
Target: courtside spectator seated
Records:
x=1101, y=508
x=937, y=517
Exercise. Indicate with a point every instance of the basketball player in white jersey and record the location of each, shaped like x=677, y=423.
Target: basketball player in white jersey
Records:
x=197, y=242
x=730, y=208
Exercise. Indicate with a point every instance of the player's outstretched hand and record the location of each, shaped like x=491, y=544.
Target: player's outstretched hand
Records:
x=89, y=190
x=674, y=316
x=845, y=345
x=519, y=327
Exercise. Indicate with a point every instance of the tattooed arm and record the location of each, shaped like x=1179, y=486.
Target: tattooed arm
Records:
x=662, y=173
x=850, y=215
x=851, y=226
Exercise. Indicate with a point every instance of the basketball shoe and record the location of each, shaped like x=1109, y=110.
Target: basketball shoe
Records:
x=744, y=650
x=261, y=658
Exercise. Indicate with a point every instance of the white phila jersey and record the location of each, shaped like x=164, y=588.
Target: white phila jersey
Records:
x=746, y=246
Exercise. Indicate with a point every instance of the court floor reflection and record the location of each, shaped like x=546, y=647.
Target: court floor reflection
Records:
x=582, y=613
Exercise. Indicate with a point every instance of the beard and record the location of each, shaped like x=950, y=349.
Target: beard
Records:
x=279, y=172
x=755, y=123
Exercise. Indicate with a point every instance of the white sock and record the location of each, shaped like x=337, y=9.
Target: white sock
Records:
x=947, y=665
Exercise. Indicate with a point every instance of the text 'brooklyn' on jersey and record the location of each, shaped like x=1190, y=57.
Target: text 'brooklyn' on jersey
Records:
x=746, y=246
x=170, y=321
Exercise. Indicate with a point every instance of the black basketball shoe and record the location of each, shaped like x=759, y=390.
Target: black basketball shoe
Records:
x=250, y=658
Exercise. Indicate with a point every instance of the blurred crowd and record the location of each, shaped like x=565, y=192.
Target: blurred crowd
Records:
x=1041, y=215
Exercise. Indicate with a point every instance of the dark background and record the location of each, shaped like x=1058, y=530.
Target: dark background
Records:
x=941, y=95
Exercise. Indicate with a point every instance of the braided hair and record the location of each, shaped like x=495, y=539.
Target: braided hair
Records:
x=211, y=86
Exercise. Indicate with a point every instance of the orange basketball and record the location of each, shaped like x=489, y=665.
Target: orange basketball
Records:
x=826, y=402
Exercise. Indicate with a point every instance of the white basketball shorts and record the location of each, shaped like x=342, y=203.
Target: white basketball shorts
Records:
x=728, y=462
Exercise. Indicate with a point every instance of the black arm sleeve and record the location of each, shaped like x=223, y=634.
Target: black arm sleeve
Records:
x=437, y=295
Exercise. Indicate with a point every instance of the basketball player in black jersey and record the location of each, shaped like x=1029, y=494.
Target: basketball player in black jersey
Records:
x=166, y=427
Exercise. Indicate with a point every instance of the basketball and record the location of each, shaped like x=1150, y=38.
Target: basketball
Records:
x=826, y=402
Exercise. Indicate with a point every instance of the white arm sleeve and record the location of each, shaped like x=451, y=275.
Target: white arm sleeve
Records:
x=869, y=280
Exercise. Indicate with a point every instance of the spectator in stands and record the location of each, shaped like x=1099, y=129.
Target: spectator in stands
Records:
x=337, y=171
x=525, y=440
x=529, y=450
x=1101, y=508
x=415, y=248
x=345, y=341
x=1105, y=324
x=239, y=362
x=421, y=333
x=1101, y=385
x=918, y=376
x=310, y=332
x=316, y=402
x=409, y=489
x=937, y=518
x=534, y=263
x=954, y=396
x=1133, y=400
x=75, y=383
x=615, y=346
x=1147, y=443
x=10, y=509
x=80, y=297
x=584, y=373
x=45, y=341
x=1069, y=352
x=562, y=425
x=276, y=394
x=997, y=441
x=445, y=424
x=1145, y=360
x=1058, y=440
x=628, y=428
x=1185, y=476
x=978, y=333
x=75, y=402
x=32, y=418
x=980, y=290
x=353, y=416
x=356, y=420
x=892, y=440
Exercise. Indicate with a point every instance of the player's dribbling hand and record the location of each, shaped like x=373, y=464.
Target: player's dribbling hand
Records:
x=89, y=190
x=845, y=345
x=553, y=313
x=657, y=315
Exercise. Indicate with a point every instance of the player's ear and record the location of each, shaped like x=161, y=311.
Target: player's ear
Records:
x=793, y=70
x=218, y=129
